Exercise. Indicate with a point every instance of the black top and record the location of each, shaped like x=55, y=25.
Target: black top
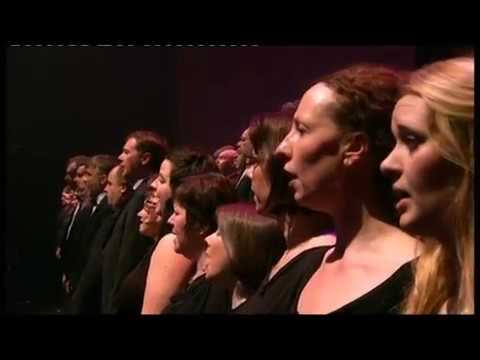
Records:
x=280, y=294
x=130, y=294
x=238, y=309
x=244, y=190
x=73, y=249
x=124, y=250
x=87, y=296
x=85, y=242
x=386, y=298
x=200, y=297
x=63, y=220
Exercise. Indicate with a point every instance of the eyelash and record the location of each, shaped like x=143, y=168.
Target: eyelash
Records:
x=411, y=141
x=299, y=129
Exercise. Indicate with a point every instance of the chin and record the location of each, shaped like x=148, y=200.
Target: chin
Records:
x=210, y=275
x=300, y=199
x=410, y=223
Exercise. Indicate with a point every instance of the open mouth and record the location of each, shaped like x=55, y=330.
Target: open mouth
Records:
x=400, y=196
x=291, y=184
x=288, y=177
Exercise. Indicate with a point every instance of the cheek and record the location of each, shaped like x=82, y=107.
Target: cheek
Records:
x=428, y=172
x=214, y=249
x=301, y=156
x=218, y=255
x=180, y=226
x=314, y=157
x=165, y=193
x=129, y=159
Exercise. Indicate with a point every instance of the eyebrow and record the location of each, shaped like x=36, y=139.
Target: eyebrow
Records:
x=408, y=129
x=298, y=122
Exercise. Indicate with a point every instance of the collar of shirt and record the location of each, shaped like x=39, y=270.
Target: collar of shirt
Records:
x=138, y=183
x=100, y=197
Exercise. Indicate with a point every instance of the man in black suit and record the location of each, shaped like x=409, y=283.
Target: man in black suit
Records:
x=141, y=157
x=87, y=298
x=73, y=200
x=69, y=199
x=91, y=215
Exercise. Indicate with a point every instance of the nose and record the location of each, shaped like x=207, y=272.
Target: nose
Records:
x=170, y=219
x=391, y=166
x=284, y=150
x=120, y=157
x=208, y=238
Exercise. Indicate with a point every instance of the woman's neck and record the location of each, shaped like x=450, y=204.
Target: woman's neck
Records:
x=362, y=227
x=199, y=258
x=299, y=227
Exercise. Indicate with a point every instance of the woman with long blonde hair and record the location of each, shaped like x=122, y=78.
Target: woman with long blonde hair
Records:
x=432, y=171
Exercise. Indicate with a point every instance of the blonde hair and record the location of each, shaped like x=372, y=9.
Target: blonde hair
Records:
x=444, y=272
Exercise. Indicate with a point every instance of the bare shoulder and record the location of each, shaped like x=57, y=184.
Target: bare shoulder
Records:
x=165, y=251
x=167, y=241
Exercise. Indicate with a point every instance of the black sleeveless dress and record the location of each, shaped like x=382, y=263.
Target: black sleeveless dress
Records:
x=130, y=295
x=280, y=294
x=385, y=298
x=202, y=296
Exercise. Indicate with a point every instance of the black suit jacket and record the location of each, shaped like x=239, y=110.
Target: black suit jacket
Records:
x=124, y=250
x=74, y=244
x=87, y=298
x=91, y=226
x=102, y=212
x=63, y=220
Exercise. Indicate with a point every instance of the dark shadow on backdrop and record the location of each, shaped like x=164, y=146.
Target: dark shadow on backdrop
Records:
x=221, y=88
x=428, y=54
x=62, y=102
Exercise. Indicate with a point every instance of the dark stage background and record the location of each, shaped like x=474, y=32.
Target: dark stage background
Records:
x=67, y=101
